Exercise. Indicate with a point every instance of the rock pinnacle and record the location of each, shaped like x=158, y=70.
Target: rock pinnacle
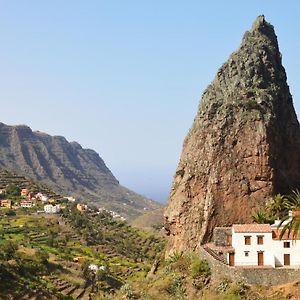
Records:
x=243, y=147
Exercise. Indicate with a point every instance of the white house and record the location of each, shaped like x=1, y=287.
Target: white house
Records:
x=27, y=204
x=41, y=197
x=44, y=198
x=252, y=245
x=95, y=268
x=259, y=245
x=51, y=209
x=70, y=199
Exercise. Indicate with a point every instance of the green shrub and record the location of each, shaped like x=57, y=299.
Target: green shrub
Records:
x=13, y=190
x=176, y=288
x=175, y=256
x=182, y=264
x=223, y=286
x=127, y=291
x=199, y=267
x=237, y=291
x=10, y=212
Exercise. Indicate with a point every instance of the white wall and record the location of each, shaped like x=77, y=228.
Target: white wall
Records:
x=238, y=242
x=294, y=252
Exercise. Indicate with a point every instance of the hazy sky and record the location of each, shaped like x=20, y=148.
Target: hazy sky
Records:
x=125, y=77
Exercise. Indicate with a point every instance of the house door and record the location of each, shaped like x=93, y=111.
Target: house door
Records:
x=260, y=258
x=286, y=259
x=231, y=259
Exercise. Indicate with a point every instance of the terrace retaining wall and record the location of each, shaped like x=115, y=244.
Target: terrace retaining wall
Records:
x=261, y=276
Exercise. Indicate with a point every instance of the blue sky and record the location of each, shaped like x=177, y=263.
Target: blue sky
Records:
x=125, y=77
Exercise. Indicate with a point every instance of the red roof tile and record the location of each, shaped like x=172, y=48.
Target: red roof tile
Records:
x=251, y=228
x=286, y=236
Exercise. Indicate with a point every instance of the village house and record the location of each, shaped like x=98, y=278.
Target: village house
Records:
x=79, y=259
x=24, y=192
x=27, y=204
x=52, y=209
x=81, y=207
x=51, y=200
x=41, y=197
x=248, y=245
x=30, y=196
x=44, y=198
x=5, y=203
x=94, y=268
x=70, y=199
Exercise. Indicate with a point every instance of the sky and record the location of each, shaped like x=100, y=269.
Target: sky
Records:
x=125, y=77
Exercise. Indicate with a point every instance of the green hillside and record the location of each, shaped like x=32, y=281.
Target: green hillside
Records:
x=40, y=253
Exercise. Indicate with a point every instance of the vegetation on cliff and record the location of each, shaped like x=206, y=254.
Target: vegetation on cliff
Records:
x=283, y=208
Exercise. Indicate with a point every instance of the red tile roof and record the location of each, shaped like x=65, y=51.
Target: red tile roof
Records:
x=251, y=228
x=286, y=236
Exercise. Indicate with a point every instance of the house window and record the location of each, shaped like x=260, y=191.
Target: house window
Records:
x=286, y=245
x=246, y=253
x=229, y=240
x=260, y=240
x=247, y=240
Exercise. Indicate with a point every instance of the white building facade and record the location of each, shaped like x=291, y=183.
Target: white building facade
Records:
x=27, y=204
x=259, y=245
x=51, y=209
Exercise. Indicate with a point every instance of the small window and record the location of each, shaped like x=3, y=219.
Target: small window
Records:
x=229, y=240
x=246, y=253
x=260, y=240
x=286, y=245
x=247, y=240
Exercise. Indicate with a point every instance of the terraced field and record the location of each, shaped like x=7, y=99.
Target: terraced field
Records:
x=44, y=265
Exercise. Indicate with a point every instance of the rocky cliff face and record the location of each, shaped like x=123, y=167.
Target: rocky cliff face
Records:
x=243, y=147
x=67, y=168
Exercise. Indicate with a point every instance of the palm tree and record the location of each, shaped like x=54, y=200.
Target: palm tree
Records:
x=278, y=206
x=292, y=227
x=262, y=217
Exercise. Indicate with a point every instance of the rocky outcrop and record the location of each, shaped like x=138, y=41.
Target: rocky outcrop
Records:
x=243, y=147
x=67, y=168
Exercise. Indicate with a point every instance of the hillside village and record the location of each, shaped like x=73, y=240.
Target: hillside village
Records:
x=17, y=192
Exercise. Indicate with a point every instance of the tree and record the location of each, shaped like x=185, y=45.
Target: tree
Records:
x=42, y=257
x=8, y=250
x=292, y=226
x=262, y=217
x=278, y=206
x=13, y=190
x=10, y=212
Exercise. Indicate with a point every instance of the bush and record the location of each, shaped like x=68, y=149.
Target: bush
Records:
x=175, y=256
x=127, y=291
x=10, y=212
x=13, y=190
x=223, y=286
x=176, y=288
x=238, y=290
x=199, y=267
x=8, y=250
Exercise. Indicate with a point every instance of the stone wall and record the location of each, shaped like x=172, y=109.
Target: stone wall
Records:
x=220, y=235
x=260, y=276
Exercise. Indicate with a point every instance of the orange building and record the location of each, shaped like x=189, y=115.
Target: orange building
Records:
x=79, y=259
x=81, y=207
x=5, y=203
x=24, y=192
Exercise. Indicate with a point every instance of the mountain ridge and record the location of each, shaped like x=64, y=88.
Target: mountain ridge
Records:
x=68, y=168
